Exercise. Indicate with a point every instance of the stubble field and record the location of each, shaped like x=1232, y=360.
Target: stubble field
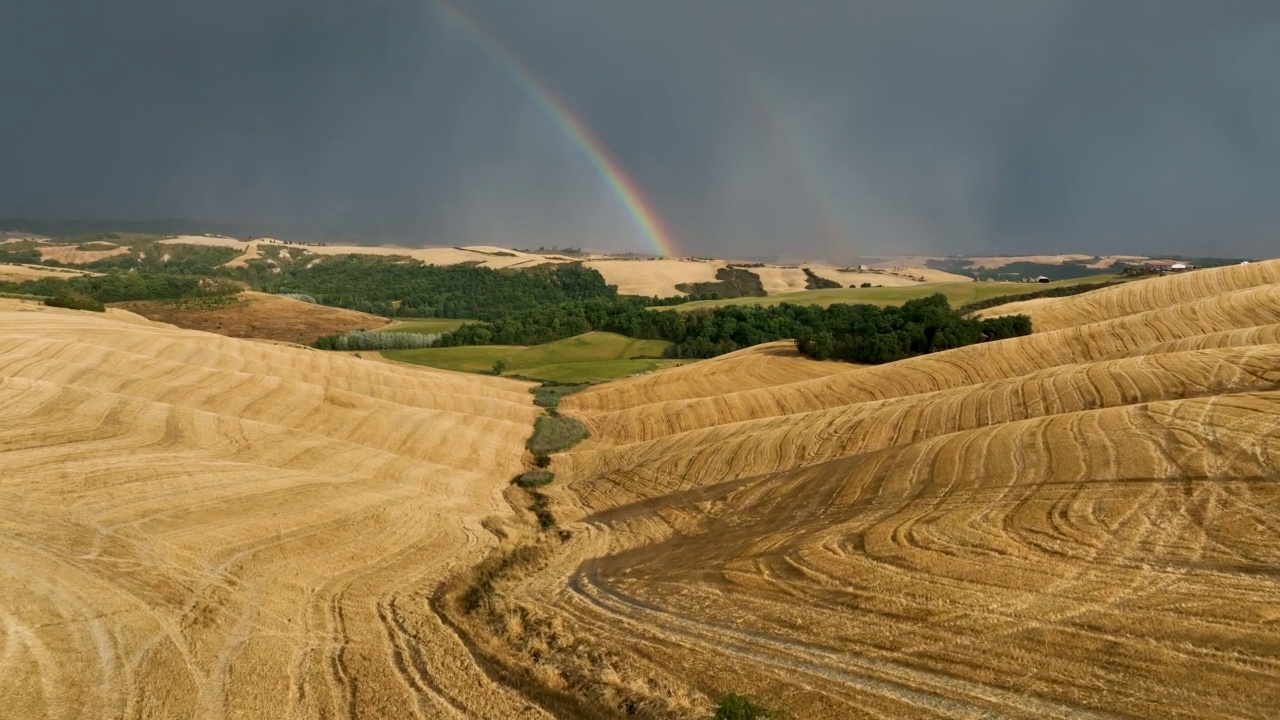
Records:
x=204, y=527
x=1078, y=523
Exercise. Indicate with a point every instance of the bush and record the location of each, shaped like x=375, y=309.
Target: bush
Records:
x=75, y=301
x=548, y=395
x=542, y=461
x=553, y=434
x=741, y=707
x=865, y=284
x=534, y=479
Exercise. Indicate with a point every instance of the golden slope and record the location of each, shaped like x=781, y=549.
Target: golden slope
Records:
x=205, y=527
x=1080, y=523
x=1049, y=314
x=639, y=412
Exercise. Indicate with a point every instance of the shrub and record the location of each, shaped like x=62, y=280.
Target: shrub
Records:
x=542, y=461
x=499, y=367
x=549, y=395
x=75, y=301
x=865, y=284
x=553, y=434
x=733, y=706
x=534, y=479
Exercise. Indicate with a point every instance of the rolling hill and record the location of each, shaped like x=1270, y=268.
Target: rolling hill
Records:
x=205, y=527
x=1078, y=523
x=1081, y=522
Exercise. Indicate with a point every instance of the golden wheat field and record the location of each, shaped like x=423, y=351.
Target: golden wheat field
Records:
x=1084, y=522
x=1080, y=523
x=196, y=526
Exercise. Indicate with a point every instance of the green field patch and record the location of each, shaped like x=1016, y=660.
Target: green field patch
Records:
x=957, y=293
x=595, y=371
x=588, y=358
x=426, y=326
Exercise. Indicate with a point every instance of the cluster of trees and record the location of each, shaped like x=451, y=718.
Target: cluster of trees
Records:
x=123, y=287
x=813, y=281
x=846, y=332
x=731, y=282
x=75, y=301
x=367, y=340
x=156, y=257
x=870, y=334
x=404, y=288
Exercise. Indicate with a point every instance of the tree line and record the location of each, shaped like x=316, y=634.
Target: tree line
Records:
x=395, y=288
x=857, y=333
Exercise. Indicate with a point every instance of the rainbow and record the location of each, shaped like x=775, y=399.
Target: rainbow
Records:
x=835, y=227
x=641, y=209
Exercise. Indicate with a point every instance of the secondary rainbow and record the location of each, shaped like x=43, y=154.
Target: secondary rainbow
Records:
x=641, y=209
x=835, y=226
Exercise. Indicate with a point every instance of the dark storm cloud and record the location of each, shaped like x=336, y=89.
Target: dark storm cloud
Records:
x=755, y=126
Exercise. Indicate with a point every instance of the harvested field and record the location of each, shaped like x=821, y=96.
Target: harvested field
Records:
x=218, y=528
x=1048, y=314
x=70, y=255
x=1079, y=523
x=1084, y=522
x=655, y=278
x=256, y=315
x=924, y=274
x=781, y=279
x=21, y=272
x=995, y=262
x=855, y=279
x=482, y=255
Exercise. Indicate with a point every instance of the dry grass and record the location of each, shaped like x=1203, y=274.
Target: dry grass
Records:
x=257, y=315
x=204, y=527
x=1079, y=523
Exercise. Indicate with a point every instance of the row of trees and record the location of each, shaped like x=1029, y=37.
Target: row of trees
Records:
x=367, y=340
x=405, y=288
x=861, y=333
x=869, y=334
x=122, y=287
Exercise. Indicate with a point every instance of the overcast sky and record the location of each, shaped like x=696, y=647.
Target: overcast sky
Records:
x=822, y=127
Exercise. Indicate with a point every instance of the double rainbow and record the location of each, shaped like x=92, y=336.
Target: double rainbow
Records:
x=641, y=209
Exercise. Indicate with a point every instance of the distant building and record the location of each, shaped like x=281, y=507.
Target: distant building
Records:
x=1042, y=279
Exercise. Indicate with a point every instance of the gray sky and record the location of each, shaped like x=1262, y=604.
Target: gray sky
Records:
x=822, y=127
